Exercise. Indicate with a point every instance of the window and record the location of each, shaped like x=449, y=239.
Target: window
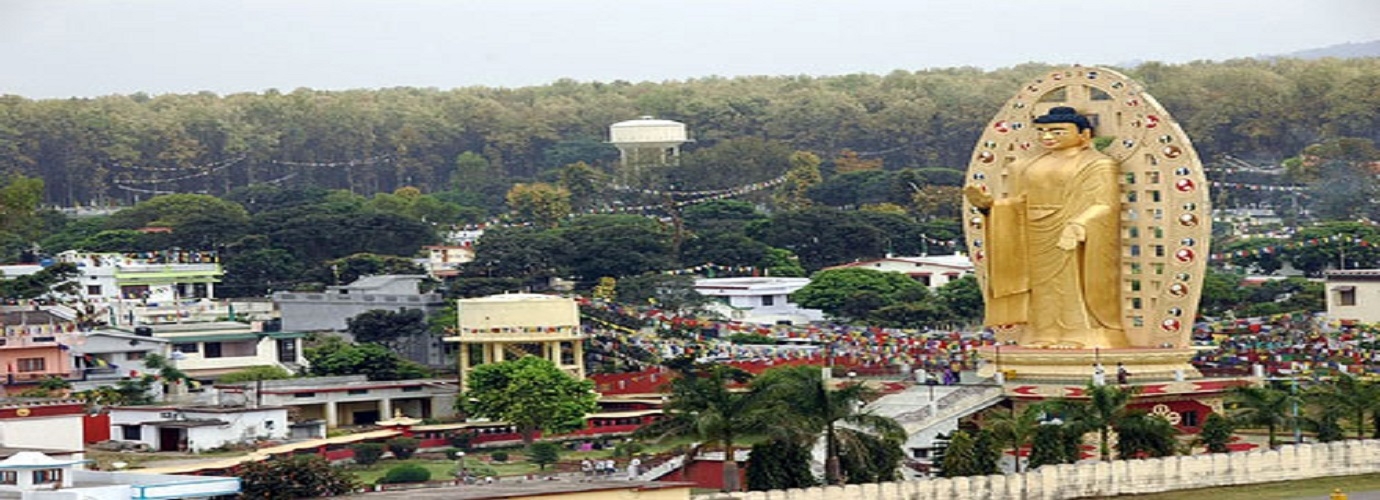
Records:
x=768, y=300
x=9, y=477
x=1346, y=295
x=31, y=364
x=93, y=290
x=412, y=388
x=131, y=432
x=186, y=348
x=356, y=392
x=304, y=394
x=212, y=350
x=46, y=476
x=135, y=356
x=134, y=291
x=1190, y=418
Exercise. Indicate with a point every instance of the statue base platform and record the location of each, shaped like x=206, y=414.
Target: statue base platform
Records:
x=1031, y=364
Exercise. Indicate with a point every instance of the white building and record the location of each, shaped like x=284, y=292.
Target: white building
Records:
x=196, y=429
x=42, y=458
x=349, y=399
x=444, y=261
x=103, y=357
x=34, y=475
x=1353, y=295
x=758, y=300
x=146, y=277
x=211, y=349
x=933, y=271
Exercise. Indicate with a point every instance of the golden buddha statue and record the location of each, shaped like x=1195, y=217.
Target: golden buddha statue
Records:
x=1053, y=241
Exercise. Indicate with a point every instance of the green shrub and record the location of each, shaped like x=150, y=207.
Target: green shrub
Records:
x=461, y=440
x=367, y=453
x=255, y=373
x=480, y=470
x=627, y=449
x=406, y=473
x=403, y=448
x=453, y=453
x=499, y=456
x=543, y=453
x=751, y=339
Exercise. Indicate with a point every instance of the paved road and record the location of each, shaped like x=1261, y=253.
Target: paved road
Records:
x=1359, y=495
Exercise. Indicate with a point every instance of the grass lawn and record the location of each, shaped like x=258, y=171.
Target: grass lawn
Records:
x=443, y=469
x=1320, y=487
x=516, y=465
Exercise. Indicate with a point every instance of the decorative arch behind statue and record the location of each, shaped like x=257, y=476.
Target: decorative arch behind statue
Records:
x=1165, y=215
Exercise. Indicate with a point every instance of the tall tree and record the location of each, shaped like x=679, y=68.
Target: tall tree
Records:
x=1265, y=406
x=961, y=457
x=530, y=393
x=394, y=329
x=836, y=416
x=1143, y=434
x=1052, y=445
x=616, y=245
x=779, y=464
x=540, y=203
x=20, y=197
x=803, y=175
x=295, y=477
x=854, y=293
x=1104, y=408
x=1016, y=430
x=704, y=404
x=1355, y=398
x=335, y=356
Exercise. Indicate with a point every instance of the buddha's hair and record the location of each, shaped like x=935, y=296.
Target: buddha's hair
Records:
x=1065, y=114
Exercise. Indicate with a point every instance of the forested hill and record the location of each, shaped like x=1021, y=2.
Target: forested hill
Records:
x=113, y=149
x=1341, y=51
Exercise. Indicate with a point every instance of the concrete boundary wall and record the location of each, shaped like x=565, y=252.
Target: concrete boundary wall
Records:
x=1098, y=479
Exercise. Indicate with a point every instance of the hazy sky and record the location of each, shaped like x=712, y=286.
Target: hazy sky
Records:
x=62, y=48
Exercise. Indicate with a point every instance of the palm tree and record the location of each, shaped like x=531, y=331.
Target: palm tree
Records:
x=1265, y=406
x=702, y=404
x=1016, y=430
x=1351, y=397
x=1104, y=409
x=1144, y=433
x=836, y=413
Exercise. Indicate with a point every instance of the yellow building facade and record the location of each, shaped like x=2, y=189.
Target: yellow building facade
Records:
x=506, y=327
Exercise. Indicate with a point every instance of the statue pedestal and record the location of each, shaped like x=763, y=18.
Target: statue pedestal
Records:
x=1028, y=364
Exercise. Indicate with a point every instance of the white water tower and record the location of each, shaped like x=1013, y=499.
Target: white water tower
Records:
x=647, y=141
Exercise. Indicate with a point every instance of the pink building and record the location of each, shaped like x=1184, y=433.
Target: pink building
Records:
x=34, y=347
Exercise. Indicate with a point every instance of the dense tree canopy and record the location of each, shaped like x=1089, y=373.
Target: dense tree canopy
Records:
x=856, y=293
x=335, y=356
x=531, y=393
x=468, y=139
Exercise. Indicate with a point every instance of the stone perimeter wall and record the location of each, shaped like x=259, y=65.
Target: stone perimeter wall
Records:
x=1098, y=479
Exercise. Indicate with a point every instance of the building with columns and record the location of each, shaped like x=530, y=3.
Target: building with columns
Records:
x=346, y=400
x=506, y=327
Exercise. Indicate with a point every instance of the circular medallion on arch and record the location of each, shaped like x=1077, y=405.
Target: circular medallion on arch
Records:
x=1170, y=325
